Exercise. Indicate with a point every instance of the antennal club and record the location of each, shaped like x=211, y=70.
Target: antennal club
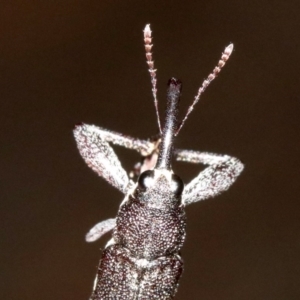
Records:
x=152, y=71
x=225, y=56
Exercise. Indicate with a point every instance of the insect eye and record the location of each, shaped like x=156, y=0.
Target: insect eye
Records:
x=177, y=185
x=146, y=179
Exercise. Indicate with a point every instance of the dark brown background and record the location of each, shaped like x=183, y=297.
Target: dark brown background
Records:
x=68, y=61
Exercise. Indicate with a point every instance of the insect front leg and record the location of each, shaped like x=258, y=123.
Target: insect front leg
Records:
x=94, y=146
x=220, y=174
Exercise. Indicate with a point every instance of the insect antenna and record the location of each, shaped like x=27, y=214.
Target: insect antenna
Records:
x=225, y=56
x=152, y=71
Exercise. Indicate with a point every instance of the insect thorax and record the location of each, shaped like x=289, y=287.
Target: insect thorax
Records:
x=151, y=223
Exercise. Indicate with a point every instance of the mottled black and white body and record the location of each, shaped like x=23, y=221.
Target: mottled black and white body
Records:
x=142, y=259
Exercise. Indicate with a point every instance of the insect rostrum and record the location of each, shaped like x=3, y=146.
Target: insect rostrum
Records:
x=142, y=260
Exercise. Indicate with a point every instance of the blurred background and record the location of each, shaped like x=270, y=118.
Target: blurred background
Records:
x=63, y=62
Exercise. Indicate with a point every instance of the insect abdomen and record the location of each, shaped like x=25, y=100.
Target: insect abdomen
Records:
x=121, y=276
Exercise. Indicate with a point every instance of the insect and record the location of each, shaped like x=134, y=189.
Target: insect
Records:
x=142, y=260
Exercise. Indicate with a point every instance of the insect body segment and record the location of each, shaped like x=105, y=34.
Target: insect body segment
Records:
x=142, y=259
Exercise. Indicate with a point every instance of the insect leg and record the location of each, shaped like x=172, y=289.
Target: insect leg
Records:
x=220, y=174
x=100, y=229
x=93, y=144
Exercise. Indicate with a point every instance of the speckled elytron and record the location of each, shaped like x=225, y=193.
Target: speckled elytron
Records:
x=142, y=259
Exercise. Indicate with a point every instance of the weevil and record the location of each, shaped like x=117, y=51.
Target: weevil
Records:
x=142, y=259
